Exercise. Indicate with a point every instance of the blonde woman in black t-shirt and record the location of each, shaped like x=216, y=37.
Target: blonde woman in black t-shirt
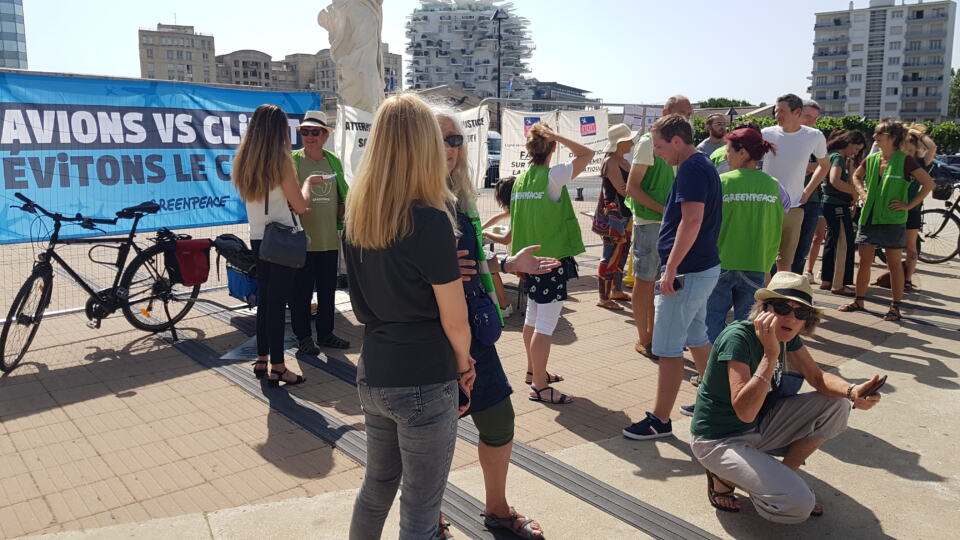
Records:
x=405, y=288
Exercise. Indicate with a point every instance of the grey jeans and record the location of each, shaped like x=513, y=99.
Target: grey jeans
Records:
x=777, y=492
x=411, y=434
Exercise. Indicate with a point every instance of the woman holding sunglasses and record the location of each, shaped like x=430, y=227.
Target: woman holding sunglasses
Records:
x=748, y=407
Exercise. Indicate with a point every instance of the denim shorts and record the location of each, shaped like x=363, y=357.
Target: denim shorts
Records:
x=680, y=319
x=646, y=258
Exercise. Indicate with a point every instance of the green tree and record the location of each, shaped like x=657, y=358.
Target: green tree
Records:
x=947, y=137
x=716, y=103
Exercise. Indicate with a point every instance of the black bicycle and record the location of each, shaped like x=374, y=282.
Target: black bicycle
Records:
x=142, y=290
x=940, y=233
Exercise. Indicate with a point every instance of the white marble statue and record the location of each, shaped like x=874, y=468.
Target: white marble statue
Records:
x=354, y=28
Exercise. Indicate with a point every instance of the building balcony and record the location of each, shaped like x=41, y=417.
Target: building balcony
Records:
x=830, y=70
x=834, y=25
x=468, y=70
x=917, y=98
x=926, y=34
x=832, y=54
x=831, y=99
x=924, y=81
x=831, y=40
x=928, y=17
x=923, y=50
x=829, y=84
x=923, y=64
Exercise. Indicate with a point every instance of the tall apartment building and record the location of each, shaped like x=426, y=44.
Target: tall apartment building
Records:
x=177, y=53
x=455, y=42
x=13, y=39
x=888, y=59
x=301, y=71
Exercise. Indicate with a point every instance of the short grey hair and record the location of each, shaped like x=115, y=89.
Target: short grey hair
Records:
x=811, y=103
x=673, y=101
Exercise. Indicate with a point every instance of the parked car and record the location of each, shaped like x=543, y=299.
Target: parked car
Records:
x=953, y=160
x=943, y=173
x=494, y=141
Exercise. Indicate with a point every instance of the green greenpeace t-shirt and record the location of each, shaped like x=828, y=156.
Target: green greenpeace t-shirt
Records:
x=320, y=222
x=832, y=195
x=714, y=416
x=752, y=220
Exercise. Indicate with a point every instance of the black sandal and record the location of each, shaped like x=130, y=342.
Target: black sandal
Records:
x=276, y=382
x=550, y=378
x=713, y=495
x=893, y=315
x=856, y=305
x=260, y=373
x=334, y=342
x=443, y=529
x=562, y=400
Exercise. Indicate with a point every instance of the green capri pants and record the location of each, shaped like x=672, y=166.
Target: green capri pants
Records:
x=496, y=423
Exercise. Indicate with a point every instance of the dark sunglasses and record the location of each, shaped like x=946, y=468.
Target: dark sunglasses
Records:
x=453, y=141
x=801, y=313
x=312, y=132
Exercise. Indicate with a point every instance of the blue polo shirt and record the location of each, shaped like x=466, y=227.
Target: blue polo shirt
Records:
x=697, y=181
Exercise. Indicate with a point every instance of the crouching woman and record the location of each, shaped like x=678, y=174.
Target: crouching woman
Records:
x=748, y=408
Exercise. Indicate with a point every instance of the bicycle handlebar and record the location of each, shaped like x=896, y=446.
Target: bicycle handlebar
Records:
x=85, y=222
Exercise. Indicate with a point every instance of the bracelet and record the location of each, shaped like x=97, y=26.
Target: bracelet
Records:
x=850, y=392
x=503, y=265
x=762, y=378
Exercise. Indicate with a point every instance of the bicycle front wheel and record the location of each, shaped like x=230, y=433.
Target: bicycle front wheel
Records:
x=23, y=319
x=154, y=302
x=939, y=236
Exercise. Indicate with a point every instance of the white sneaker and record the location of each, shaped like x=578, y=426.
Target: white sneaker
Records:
x=507, y=311
x=809, y=277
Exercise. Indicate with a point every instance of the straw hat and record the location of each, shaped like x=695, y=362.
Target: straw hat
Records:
x=616, y=135
x=315, y=119
x=788, y=286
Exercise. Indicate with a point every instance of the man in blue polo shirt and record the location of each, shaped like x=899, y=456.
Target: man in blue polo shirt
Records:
x=691, y=268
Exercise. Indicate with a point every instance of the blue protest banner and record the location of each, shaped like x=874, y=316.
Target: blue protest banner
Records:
x=95, y=145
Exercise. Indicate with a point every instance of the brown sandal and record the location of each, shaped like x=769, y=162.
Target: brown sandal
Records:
x=610, y=304
x=856, y=305
x=893, y=315
x=521, y=526
x=715, y=496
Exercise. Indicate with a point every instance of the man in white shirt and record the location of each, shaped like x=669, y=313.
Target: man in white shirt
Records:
x=795, y=143
x=647, y=188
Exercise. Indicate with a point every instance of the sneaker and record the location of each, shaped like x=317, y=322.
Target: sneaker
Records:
x=810, y=278
x=507, y=311
x=686, y=410
x=649, y=428
x=308, y=347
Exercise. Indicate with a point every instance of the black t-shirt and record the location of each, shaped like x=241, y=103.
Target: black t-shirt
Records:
x=392, y=295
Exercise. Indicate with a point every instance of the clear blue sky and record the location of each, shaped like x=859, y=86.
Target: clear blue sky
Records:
x=622, y=50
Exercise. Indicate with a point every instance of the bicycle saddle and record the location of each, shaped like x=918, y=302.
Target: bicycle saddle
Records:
x=148, y=207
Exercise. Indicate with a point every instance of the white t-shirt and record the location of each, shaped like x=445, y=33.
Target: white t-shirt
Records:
x=560, y=175
x=643, y=151
x=789, y=164
x=279, y=211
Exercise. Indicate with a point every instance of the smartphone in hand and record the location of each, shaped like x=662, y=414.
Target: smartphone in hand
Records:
x=677, y=284
x=875, y=388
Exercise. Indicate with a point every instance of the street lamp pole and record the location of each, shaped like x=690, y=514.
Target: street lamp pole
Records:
x=731, y=113
x=499, y=16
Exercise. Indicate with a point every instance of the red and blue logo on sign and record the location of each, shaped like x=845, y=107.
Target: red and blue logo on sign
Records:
x=588, y=126
x=528, y=122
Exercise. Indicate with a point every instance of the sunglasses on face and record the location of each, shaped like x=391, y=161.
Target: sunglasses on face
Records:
x=453, y=141
x=801, y=313
x=312, y=132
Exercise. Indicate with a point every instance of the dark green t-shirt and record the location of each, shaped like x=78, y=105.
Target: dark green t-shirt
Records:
x=832, y=195
x=714, y=416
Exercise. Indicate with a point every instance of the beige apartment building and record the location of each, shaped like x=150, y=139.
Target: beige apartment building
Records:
x=301, y=71
x=177, y=53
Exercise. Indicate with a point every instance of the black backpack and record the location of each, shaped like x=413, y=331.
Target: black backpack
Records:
x=237, y=254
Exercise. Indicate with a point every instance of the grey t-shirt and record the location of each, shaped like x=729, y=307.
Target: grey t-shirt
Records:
x=708, y=147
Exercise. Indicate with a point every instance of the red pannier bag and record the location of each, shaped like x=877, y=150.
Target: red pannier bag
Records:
x=190, y=263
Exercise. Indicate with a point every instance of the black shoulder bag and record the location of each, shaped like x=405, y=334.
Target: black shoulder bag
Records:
x=283, y=244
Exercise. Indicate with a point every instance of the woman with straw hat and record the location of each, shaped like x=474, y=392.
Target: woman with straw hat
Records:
x=612, y=219
x=748, y=406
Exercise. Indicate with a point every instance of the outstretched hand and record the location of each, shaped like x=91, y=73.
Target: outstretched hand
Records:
x=525, y=261
x=468, y=266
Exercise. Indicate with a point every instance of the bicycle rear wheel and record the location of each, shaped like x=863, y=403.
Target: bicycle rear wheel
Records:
x=939, y=236
x=154, y=302
x=23, y=319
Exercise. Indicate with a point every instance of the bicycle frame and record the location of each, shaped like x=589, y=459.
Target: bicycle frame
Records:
x=126, y=243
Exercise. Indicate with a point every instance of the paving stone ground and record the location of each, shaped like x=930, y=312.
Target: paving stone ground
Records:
x=110, y=426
